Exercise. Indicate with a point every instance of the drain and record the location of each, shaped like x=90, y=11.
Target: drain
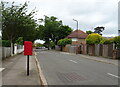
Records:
x=70, y=77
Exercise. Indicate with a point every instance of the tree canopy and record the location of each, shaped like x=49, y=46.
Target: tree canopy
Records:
x=17, y=23
x=99, y=30
x=53, y=30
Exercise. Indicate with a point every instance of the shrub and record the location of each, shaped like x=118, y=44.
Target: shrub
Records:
x=108, y=41
x=117, y=41
x=6, y=43
x=64, y=42
x=94, y=38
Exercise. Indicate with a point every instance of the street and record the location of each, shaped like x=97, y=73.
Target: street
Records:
x=60, y=68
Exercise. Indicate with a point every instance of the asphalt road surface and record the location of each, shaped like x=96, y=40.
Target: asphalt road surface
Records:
x=61, y=68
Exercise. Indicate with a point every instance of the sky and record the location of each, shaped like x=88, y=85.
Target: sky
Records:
x=88, y=13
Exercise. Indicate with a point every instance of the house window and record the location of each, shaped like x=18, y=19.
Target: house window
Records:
x=74, y=39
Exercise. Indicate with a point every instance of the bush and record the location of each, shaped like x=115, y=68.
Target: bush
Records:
x=108, y=41
x=117, y=41
x=64, y=42
x=6, y=43
x=94, y=38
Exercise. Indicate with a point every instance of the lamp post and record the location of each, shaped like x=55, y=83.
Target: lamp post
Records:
x=77, y=36
x=77, y=23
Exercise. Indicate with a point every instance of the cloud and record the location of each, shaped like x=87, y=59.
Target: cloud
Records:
x=89, y=13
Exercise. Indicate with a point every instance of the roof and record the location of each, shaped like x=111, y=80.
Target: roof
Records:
x=77, y=34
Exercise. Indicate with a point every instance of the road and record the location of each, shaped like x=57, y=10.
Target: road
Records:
x=61, y=68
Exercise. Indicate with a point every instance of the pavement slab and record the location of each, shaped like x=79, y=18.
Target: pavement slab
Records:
x=15, y=71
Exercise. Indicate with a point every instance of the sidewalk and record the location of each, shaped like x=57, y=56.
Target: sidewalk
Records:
x=15, y=71
x=101, y=59
x=96, y=58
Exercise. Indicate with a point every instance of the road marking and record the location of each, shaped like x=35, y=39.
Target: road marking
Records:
x=73, y=61
x=1, y=69
x=113, y=75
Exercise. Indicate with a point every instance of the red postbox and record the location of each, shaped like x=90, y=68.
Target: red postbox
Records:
x=27, y=48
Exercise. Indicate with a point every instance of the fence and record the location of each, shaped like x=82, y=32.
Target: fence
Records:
x=6, y=51
x=107, y=50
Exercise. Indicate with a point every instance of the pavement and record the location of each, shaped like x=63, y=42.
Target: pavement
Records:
x=14, y=72
x=96, y=58
x=61, y=68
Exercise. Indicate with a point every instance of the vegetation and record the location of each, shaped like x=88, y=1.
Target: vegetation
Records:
x=89, y=32
x=99, y=30
x=5, y=43
x=19, y=41
x=64, y=42
x=53, y=30
x=108, y=41
x=117, y=41
x=94, y=38
x=17, y=22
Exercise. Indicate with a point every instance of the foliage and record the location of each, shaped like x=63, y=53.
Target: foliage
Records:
x=17, y=22
x=64, y=42
x=117, y=41
x=99, y=30
x=6, y=43
x=108, y=41
x=19, y=41
x=39, y=45
x=53, y=30
x=89, y=32
x=94, y=38
x=52, y=44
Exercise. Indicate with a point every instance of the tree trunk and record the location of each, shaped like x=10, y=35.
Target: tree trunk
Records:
x=11, y=49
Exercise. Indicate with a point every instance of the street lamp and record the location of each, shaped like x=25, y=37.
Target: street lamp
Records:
x=77, y=36
x=77, y=23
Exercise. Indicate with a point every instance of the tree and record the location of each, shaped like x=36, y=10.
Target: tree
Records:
x=19, y=41
x=16, y=22
x=89, y=32
x=53, y=30
x=99, y=30
x=94, y=38
x=117, y=42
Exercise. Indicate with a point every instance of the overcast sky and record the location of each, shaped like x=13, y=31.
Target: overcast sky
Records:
x=89, y=13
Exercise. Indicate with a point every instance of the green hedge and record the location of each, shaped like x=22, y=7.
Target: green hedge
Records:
x=5, y=43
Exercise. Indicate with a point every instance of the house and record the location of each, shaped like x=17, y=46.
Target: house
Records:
x=78, y=37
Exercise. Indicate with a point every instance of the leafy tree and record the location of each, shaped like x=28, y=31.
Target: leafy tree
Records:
x=117, y=41
x=99, y=30
x=53, y=30
x=16, y=22
x=89, y=32
x=64, y=42
x=94, y=38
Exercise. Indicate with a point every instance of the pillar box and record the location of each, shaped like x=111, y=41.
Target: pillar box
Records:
x=28, y=48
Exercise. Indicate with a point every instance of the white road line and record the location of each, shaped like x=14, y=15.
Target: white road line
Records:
x=73, y=61
x=1, y=69
x=113, y=75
